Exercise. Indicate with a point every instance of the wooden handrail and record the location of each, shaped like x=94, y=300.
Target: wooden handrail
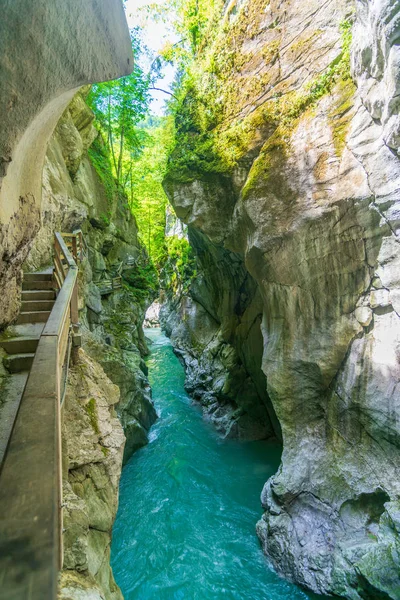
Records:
x=77, y=243
x=62, y=249
x=31, y=475
x=62, y=305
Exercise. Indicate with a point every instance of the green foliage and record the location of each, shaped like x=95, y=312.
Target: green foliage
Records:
x=119, y=107
x=180, y=266
x=91, y=411
x=192, y=20
x=195, y=150
x=210, y=133
x=100, y=159
x=142, y=281
x=106, y=219
x=147, y=198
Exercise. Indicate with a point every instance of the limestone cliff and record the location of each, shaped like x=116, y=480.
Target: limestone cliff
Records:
x=290, y=188
x=216, y=332
x=92, y=456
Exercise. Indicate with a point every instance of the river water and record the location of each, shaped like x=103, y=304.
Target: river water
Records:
x=189, y=502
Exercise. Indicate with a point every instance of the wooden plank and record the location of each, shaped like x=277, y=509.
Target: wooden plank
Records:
x=59, y=283
x=57, y=249
x=79, y=237
x=75, y=305
x=30, y=488
x=62, y=305
x=82, y=242
x=59, y=268
x=74, y=249
x=63, y=342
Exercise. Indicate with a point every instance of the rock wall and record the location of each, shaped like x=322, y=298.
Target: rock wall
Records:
x=48, y=49
x=307, y=212
x=108, y=378
x=216, y=333
x=92, y=455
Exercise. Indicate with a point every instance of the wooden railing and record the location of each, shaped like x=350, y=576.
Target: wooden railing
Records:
x=110, y=284
x=131, y=261
x=31, y=475
x=76, y=244
x=62, y=321
x=107, y=286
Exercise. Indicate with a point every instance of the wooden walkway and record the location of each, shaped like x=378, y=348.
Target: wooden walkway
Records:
x=31, y=471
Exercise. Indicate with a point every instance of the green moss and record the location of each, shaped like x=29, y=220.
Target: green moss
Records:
x=91, y=411
x=106, y=218
x=180, y=267
x=340, y=115
x=105, y=451
x=100, y=159
x=9, y=332
x=267, y=169
x=217, y=119
x=142, y=281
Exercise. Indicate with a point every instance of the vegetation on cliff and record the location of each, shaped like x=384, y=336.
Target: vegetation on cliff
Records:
x=180, y=267
x=219, y=111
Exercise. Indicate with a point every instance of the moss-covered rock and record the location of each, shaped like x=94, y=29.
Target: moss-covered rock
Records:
x=93, y=449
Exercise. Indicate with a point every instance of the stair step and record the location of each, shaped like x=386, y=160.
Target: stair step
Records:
x=38, y=276
x=38, y=285
x=38, y=295
x=36, y=305
x=19, y=345
x=33, y=317
x=17, y=363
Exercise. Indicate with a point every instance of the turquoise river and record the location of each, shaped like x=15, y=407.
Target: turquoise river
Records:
x=189, y=503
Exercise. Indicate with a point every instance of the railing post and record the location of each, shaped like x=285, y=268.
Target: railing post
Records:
x=74, y=248
x=74, y=305
x=80, y=245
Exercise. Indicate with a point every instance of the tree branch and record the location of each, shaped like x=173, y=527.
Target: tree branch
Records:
x=164, y=91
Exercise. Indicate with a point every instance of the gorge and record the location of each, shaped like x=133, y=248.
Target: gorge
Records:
x=197, y=540
x=277, y=266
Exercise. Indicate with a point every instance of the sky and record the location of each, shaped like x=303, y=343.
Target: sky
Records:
x=155, y=36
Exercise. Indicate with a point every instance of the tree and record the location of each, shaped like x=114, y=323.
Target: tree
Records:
x=119, y=106
x=147, y=198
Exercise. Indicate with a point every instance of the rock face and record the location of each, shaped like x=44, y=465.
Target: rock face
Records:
x=48, y=49
x=216, y=333
x=304, y=221
x=92, y=455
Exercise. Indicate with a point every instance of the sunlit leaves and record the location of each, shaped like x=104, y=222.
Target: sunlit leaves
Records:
x=119, y=106
x=146, y=195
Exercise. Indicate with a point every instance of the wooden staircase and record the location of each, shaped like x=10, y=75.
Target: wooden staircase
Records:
x=38, y=298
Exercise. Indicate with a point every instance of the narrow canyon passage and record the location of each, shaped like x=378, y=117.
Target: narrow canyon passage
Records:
x=189, y=502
